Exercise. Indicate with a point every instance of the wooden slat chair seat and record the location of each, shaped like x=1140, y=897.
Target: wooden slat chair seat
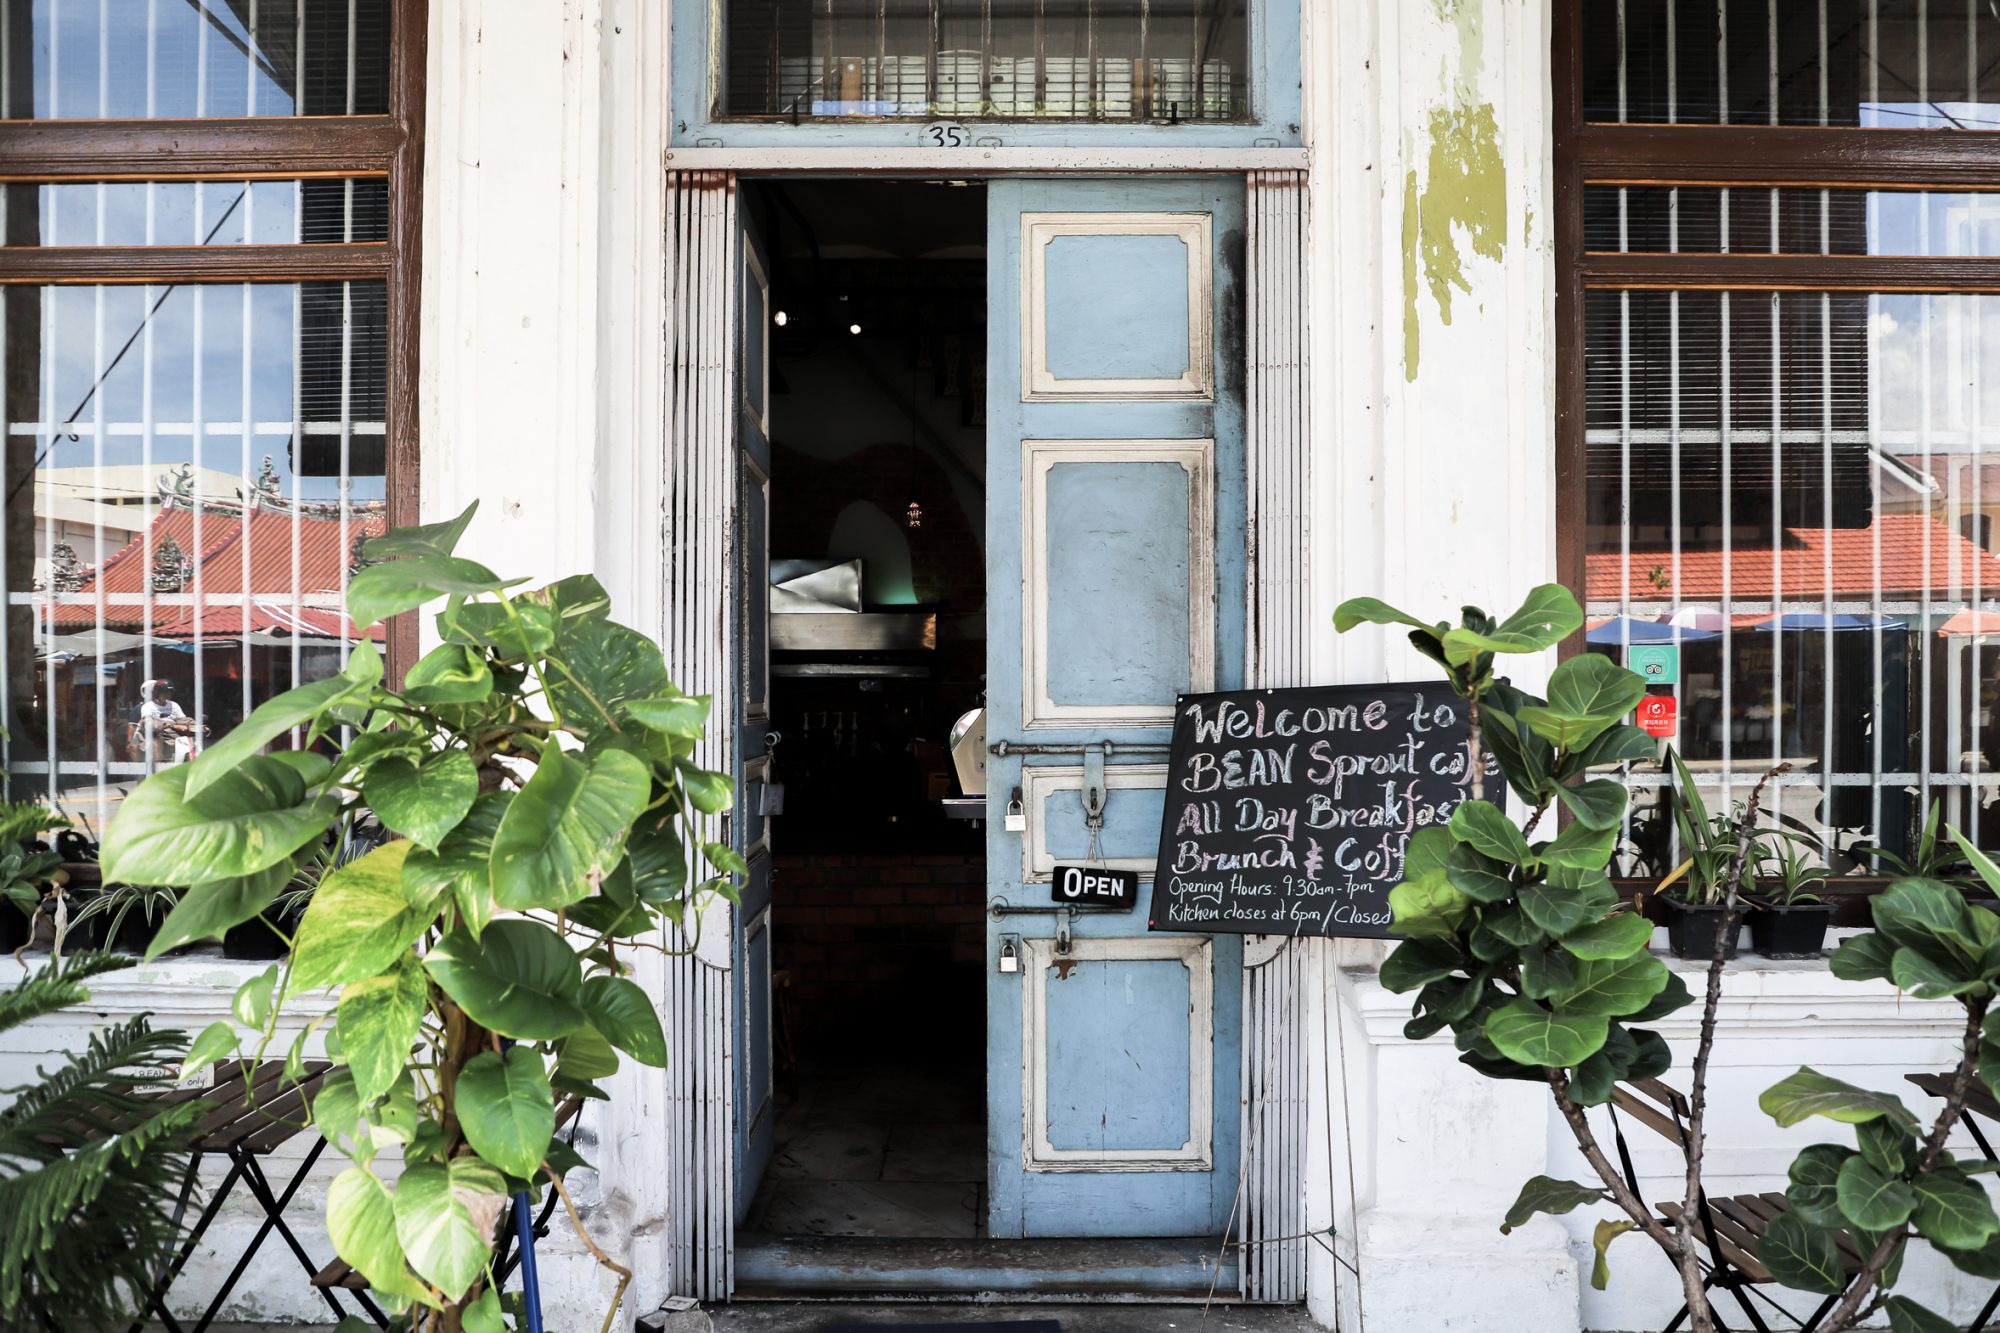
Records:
x=1732, y=1228
x=1980, y=1104
x=340, y=1275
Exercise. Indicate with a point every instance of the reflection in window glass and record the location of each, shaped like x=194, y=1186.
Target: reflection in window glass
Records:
x=135, y=59
x=1144, y=60
x=190, y=472
x=1797, y=489
x=273, y=212
x=1892, y=64
x=1685, y=219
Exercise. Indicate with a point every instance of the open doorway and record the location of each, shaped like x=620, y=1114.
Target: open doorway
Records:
x=876, y=418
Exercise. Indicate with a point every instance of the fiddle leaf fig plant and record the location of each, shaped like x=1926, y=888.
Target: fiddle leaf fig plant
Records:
x=1520, y=947
x=537, y=770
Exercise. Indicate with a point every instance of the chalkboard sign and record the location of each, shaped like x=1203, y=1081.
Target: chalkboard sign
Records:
x=1288, y=811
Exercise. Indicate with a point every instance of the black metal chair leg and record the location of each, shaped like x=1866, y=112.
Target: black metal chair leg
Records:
x=1986, y=1312
x=156, y=1300
x=155, y=1297
x=1820, y=1313
x=274, y=1219
x=1749, y=1310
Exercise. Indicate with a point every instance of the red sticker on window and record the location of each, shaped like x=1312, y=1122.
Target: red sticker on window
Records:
x=1658, y=714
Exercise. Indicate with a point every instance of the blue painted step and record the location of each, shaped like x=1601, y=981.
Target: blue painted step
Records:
x=851, y=1265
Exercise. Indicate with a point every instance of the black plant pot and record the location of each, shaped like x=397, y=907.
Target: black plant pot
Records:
x=88, y=933
x=1691, y=929
x=256, y=939
x=1798, y=931
x=14, y=926
x=134, y=934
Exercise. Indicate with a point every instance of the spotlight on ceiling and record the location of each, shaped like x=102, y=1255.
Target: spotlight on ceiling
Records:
x=854, y=329
x=781, y=319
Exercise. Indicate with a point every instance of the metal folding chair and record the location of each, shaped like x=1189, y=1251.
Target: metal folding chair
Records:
x=1979, y=1102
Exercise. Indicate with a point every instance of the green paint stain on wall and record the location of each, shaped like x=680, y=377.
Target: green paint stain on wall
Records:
x=1462, y=201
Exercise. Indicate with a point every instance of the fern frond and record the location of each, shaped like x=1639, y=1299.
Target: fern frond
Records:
x=94, y=1094
x=54, y=987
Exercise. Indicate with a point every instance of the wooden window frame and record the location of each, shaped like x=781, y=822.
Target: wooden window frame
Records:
x=386, y=147
x=1653, y=154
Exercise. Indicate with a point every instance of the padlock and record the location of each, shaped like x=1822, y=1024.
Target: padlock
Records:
x=1017, y=818
x=1010, y=954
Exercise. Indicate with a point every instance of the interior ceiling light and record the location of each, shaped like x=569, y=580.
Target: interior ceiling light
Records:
x=781, y=319
x=854, y=329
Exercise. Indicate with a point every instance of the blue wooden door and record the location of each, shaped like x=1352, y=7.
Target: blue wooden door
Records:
x=750, y=938
x=1116, y=514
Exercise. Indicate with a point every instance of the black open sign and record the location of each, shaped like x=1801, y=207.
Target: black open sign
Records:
x=1071, y=885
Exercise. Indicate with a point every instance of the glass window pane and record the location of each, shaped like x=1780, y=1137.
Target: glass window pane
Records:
x=269, y=212
x=190, y=471
x=1125, y=60
x=1797, y=489
x=1661, y=219
x=147, y=59
x=1896, y=64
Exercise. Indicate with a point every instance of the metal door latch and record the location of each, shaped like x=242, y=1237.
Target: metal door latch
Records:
x=1095, y=795
x=1062, y=932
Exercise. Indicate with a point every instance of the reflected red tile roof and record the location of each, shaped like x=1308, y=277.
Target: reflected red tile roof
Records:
x=292, y=566
x=1916, y=553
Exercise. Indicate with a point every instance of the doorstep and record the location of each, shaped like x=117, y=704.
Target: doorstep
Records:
x=779, y=1267
x=804, y=1317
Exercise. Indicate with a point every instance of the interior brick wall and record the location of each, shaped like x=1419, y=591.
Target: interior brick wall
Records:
x=879, y=948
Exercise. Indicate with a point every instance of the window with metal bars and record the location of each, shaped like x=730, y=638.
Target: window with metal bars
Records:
x=1779, y=309
x=1049, y=60
x=207, y=324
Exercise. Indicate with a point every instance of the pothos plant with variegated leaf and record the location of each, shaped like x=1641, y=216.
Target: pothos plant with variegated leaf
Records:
x=1520, y=946
x=537, y=771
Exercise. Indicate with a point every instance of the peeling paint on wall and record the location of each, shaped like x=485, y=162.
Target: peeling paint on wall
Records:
x=1460, y=196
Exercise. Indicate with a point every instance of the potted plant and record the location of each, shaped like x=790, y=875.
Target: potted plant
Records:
x=1789, y=919
x=123, y=917
x=27, y=867
x=537, y=773
x=1935, y=858
x=1692, y=894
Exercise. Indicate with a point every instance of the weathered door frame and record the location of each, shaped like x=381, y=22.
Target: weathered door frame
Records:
x=697, y=510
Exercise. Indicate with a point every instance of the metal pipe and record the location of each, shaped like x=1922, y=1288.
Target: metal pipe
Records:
x=1002, y=749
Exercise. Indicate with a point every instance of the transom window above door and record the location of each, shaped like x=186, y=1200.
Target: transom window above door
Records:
x=1152, y=61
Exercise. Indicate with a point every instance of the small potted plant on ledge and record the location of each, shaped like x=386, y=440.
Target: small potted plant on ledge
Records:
x=1692, y=893
x=1788, y=919
x=1935, y=858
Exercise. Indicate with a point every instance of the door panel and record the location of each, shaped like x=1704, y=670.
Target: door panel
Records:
x=1115, y=579
x=750, y=826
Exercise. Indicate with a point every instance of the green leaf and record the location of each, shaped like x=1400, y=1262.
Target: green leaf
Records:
x=1528, y=1034
x=1560, y=729
x=1415, y=963
x=1931, y=917
x=1606, y=1231
x=1981, y=863
x=519, y=979
x=1885, y=1147
x=217, y=1040
x=1374, y=611
x=357, y=922
x=361, y=1223
x=378, y=1019
x=506, y=1109
x=251, y=1005
x=421, y=539
x=1868, y=957
x=596, y=666
x=1558, y=910
x=1485, y=828
x=246, y=820
x=208, y=909
x=1545, y=1194
x=1548, y=616
x=1953, y=1210
x=1614, y=986
x=1429, y=906
x=584, y=1056
x=436, y=1225
x=520, y=629
x=380, y=591
x=710, y=793
x=1546, y=972
x=1622, y=744
x=1579, y=847
x=1810, y=1093
x=450, y=673
x=1591, y=685
x=1871, y=1200
x=578, y=597
x=1617, y=936
x=1906, y=1316
x=422, y=801
x=1598, y=804
x=292, y=709
x=1801, y=1255
x=1981, y=1262
x=1815, y=1179
x=461, y=865
x=619, y=1009
x=1928, y=978
x=683, y=717
x=483, y=1315
x=1430, y=849
x=1478, y=877
x=565, y=828
x=1675, y=996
